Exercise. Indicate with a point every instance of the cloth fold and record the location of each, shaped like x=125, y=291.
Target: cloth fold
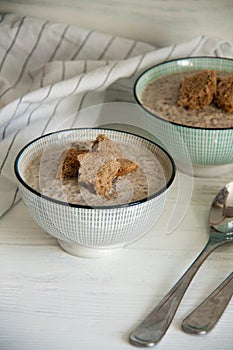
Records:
x=50, y=71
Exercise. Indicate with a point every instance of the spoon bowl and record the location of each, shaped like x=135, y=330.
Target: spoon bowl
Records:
x=155, y=325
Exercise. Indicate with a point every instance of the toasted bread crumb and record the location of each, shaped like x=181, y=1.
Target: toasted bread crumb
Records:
x=104, y=144
x=69, y=163
x=224, y=94
x=126, y=166
x=198, y=90
x=81, y=155
x=99, y=139
x=105, y=177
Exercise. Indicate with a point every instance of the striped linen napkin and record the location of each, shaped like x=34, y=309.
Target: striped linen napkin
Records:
x=49, y=71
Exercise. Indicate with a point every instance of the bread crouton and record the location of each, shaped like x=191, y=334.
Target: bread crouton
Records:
x=69, y=163
x=111, y=170
x=126, y=166
x=90, y=164
x=198, y=90
x=98, y=167
x=104, y=144
x=105, y=176
x=81, y=155
x=224, y=94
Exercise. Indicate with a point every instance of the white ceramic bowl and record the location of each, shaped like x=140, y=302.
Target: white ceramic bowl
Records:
x=93, y=231
x=209, y=151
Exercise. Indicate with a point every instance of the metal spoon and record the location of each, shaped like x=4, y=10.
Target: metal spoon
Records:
x=155, y=325
x=203, y=319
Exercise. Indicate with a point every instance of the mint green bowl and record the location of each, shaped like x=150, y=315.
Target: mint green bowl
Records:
x=197, y=151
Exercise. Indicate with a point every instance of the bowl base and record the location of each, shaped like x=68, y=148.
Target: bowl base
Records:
x=205, y=170
x=87, y=252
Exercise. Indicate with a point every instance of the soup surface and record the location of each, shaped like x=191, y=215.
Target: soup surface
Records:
x=40, y=174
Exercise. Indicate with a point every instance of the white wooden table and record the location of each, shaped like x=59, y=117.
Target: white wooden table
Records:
x=50, y=300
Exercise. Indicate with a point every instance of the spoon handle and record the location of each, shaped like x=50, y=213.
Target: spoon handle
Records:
x=207, y=314
x=155, y=325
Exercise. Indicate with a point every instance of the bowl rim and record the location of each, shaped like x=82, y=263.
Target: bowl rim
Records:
x=57, y=201
x=194, y=58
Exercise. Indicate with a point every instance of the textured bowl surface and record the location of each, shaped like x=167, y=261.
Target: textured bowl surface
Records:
x=203, y=146
x=93, y=227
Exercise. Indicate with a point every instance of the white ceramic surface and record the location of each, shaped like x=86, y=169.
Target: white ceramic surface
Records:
x=93, y=227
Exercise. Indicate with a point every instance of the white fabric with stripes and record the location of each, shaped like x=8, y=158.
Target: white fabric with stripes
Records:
x=51, y=70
